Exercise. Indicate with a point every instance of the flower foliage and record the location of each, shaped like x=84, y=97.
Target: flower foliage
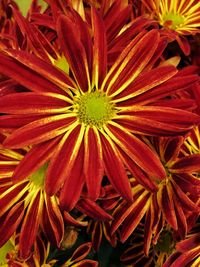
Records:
x=99, y=133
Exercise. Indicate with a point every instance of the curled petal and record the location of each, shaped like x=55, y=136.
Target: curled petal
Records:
x=92, y=209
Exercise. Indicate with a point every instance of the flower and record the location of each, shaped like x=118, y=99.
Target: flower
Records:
x=187, y=251
x=180, y=17
x=25, y=204
x=171, y=204
x=158, y=253
x=92, y=118
x=39, y=257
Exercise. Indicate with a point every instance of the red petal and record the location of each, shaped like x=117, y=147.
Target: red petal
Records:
x=176, y=83
x=36, y=40
x=100, y=48
x=55, y=219
x=47, y=70
x=71, y=221
x=187, y=164
x=166, y=202
x=63, y=161
x=86, y=263
x=131, y=62
x=30, y=225
x=25, y=76
x=145, y=82
x=137, y=150
x=11, y=222
x=139, y=208
x=11, y=196
x=34, y=159
x=71, y=190
x=74, y=51
x=92, y=209
x=81, y=252
x=93, y=162
x=39, y=131
x=115, y=169
x=33, y=103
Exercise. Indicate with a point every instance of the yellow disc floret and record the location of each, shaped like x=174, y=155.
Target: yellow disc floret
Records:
x=94, y=109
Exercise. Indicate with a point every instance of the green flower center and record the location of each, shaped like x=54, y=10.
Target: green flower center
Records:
x=165, y=243
x=38, y=177
x=94, y=109
x=173, y=21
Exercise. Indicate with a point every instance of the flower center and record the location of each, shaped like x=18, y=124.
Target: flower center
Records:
x=94, y=109
x=166, y=243
x=38, y=177
x=173, y=21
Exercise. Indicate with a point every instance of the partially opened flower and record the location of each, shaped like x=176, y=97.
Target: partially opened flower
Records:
x=187, y=251
x=93, y=117
x=176, y=197
x=158, y=253
x=39, y=256
x=182, y=17
x=26, y=205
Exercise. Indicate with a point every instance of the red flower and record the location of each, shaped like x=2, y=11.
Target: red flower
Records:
x=92, y=118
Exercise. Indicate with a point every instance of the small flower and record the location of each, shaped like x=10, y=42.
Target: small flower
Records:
x=26, y=203
x=171, y=203
x=181, y=17
x=158, y=252
x=187, y=251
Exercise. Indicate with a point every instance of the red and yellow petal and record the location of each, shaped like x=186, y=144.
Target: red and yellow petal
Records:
x=62, y=162
x=34, y=103
x=93, y=162
x=40, y=131
x=73, y=49
x=114, y=168
x=100, y=49
x=25, y=76
x=92, y=209
x=73, y=184
x=55, y=219
x=137, y=150
x=34, y=159
x=130, y=63
x=30, y=224
x=10, y=222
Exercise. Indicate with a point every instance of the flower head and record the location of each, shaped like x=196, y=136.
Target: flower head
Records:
x=170, y=204
x=181, y=17
x=92, y=118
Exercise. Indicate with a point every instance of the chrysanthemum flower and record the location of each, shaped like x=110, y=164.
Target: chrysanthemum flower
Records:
x=39, y=257
x=41, y=253
x=158, y=253
x=182, y=17
x=171, y=203
x=93, y=114
x=187, y=252
x=26, y=203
